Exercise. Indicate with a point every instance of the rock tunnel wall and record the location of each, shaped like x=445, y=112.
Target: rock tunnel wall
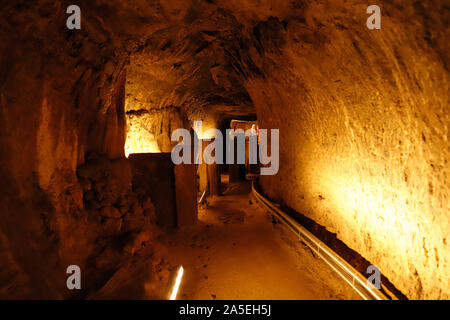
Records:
x=62, y=111
x=153, y=109
x=363, y=118
x=364, y=127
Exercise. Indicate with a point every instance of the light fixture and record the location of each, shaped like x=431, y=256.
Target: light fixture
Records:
x=176, y=286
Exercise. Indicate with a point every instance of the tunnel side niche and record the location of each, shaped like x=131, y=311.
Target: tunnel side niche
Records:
x=343, y=98
x=150, y=119
x=364, y=126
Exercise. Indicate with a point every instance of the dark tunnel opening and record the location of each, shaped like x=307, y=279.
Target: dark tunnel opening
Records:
x=117, y=161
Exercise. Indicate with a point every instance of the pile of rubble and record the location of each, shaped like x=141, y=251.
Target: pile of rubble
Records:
x=109, y=198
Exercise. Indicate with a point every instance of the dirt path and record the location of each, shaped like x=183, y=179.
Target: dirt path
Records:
x=237, y=252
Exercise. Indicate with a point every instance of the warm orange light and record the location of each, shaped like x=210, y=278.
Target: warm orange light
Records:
x=176, y=286
x=140, y=140
x=204, y=130
x=136, y=145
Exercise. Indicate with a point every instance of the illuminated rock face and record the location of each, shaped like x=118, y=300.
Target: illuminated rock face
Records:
x=150, y=113
x=364, y=127
x=363, y=118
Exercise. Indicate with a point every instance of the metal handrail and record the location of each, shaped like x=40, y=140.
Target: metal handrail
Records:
x=355, y=279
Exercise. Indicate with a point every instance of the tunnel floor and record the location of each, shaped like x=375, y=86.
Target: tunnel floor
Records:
x=236, y=251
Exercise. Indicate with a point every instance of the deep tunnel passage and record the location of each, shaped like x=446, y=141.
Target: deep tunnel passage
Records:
x=237, y=252
x=349, y=125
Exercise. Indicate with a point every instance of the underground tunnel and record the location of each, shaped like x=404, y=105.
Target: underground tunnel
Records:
x=316, y=148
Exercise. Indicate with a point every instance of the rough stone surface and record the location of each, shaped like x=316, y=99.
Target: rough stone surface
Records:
x=364, y=127
x=363, y=118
